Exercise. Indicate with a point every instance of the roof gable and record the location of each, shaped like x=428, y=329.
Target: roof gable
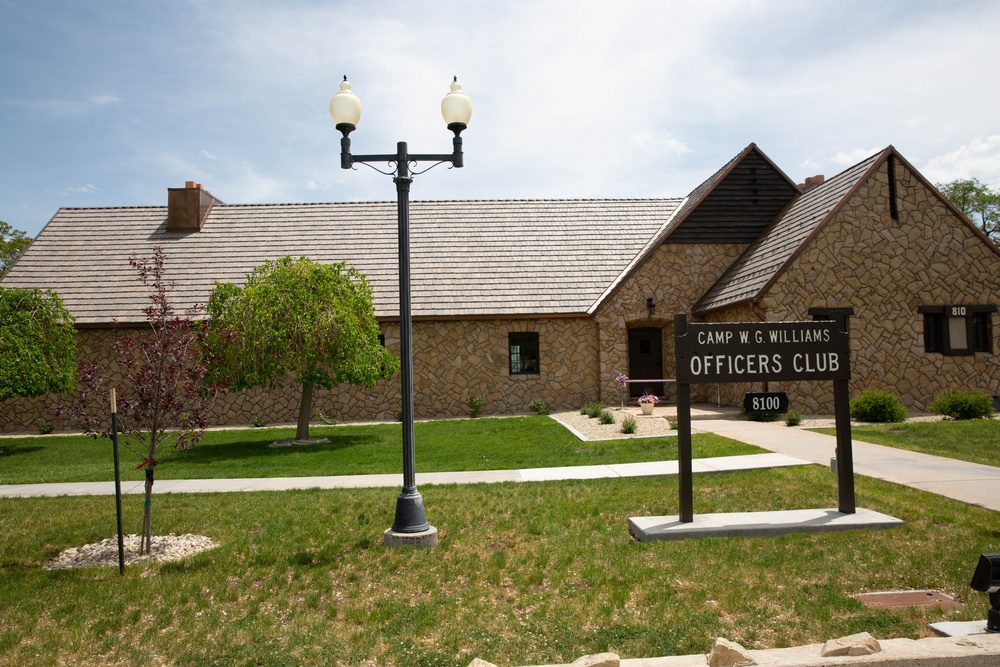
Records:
x=736, y=203
x=754, y=272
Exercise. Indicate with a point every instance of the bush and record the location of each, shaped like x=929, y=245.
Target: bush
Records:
x=258, y=421
x=475, y=406
x=327, y=419
x=793, y=418
x=767, y=417
x=398, y=414
x=961, y=404
x=45, y=428
x=875, y=405
x=592, y=410
x=673, y=424
x=605, y=417
x=629, y=424
x=538, y=407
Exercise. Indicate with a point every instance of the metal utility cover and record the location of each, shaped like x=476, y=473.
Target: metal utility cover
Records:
x=901, y=599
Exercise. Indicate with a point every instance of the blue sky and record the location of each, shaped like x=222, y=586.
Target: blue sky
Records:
x=109, y=103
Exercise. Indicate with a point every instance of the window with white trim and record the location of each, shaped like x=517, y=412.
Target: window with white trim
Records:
x=958, y=329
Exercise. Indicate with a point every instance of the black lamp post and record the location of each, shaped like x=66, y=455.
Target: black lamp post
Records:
x=410, y=525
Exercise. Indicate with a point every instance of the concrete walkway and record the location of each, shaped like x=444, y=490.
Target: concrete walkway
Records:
x=649, y=469
x=968, y=482
x=971, y=483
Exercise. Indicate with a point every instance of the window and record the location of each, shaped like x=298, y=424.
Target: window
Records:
x=958, y=330
x=523, y=348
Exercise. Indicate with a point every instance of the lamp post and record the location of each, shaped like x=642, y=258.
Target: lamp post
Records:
x=410, y=526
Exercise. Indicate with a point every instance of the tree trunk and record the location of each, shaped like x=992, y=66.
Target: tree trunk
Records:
x=305, y=412
x=147, y=512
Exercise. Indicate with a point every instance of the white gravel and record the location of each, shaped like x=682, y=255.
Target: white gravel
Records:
x=585, y=428
x=163, y=548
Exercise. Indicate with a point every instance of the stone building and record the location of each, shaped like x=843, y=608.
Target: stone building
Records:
x=550, y=299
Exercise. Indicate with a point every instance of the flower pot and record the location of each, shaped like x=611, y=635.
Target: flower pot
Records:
x=647, y=408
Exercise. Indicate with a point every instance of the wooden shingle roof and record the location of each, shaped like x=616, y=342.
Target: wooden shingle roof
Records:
x=468, y=258
x=751, y=275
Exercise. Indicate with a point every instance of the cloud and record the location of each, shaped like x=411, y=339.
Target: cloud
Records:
x=82, y=190
x=980, y=158
x=210, y=156
x=655, y=142
x=852, y=156
x=75, y=107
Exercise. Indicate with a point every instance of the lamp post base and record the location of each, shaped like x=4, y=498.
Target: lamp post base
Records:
x=425, y=539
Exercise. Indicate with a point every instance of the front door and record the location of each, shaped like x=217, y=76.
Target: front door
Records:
x=645, y=359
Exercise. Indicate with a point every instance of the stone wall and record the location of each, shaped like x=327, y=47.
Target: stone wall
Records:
x=675, y=276
x=885, y=269
x=453, y=360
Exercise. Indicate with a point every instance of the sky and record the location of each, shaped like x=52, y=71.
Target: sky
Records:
x=110, y=102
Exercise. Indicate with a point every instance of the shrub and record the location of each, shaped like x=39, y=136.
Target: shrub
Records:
x=793, y=418
x=398, y=415
x=961, y=404
x=475, y=406
x=327, y=419
x=538, y=407
x=673, y=424
x=766, y=417
x=592, y=410
x=45, y=428
x=875, y=405
x=258, y=421
x=605, y=417
x=629, y=424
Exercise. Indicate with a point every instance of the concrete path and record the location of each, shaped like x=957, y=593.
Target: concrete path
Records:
x=969, y=482
x=650, y=469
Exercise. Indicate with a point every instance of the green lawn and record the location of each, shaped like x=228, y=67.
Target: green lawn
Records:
x=479, y=444
x=975, y=440
x=524, y=574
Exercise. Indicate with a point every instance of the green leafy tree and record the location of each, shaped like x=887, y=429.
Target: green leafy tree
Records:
x=313, y=322
x=37, y=344
x=12, y=244
x=977, y=201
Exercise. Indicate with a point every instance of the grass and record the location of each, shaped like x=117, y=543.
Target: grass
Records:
x=482, y=444
x=976, y=440
x=524, y=574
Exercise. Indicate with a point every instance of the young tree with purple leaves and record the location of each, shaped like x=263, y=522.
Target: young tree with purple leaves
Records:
x=163, y=400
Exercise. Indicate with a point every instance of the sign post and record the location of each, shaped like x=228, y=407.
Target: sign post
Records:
x=762, y=352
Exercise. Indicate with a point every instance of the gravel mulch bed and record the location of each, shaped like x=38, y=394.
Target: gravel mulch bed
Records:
x=585, y=428
x=163, y=548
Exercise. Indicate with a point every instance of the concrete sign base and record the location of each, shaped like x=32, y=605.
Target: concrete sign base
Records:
x=756, y=524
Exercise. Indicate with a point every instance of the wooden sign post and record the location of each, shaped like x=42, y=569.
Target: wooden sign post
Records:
x=761, y=352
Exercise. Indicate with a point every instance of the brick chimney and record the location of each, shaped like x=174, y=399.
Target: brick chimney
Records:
x=812, y=182
x=188, y=207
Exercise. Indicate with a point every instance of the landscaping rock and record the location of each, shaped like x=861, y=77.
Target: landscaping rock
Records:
x=598, y=660
x=728, y=654
x=162, y=548
x=479, y=662
x=860, y=644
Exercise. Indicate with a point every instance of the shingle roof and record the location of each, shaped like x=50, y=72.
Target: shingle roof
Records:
x=751, y=275
x=468, y=258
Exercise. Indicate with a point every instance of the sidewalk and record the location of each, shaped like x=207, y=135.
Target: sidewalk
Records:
x=968, y=482
x=971, y=483
x=650, y=469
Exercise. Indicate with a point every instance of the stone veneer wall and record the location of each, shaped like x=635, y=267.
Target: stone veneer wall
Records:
x=675, y=276
x=885, y=269
x=453, y=360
